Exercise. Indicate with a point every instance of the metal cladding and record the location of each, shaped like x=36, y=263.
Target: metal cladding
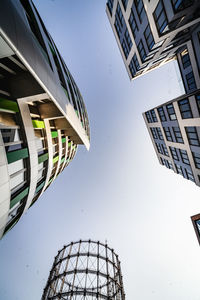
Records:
x=43, y=118
x=85, y=270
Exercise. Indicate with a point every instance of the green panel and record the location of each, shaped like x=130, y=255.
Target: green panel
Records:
x=63, y=140
x=19, y=197
x=17, y=155
x=38, y=124
x=62, y=160
x=54, y=134
x=43, y=157
x=9, y=105
x=55, y=159
x=69, y=144
x=50, y=180
x=39, y=187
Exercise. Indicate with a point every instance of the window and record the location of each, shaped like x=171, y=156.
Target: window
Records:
x=192, y=136
x=184, y=157
x=178, y=135
x=179, y=169
x=190, y=81
x=141, y=51
x=160, y=17
x=110, y=6
x=148, y=116
x=185, y=109
x=179, y=5
x=165, y=151
x=128, y=40
x=125, y=49
x=134, y=65
x=149, y=37
x=198, y=102
x=196, y=157
x=118, y=28
x=154, y=133
x=161, y=114
x=120, y=15
x=124, y=2
x=189, y=174
x=171, y=111
x=159, y=148
x=159, y=133
x=140, y=9
x=170, y=165
x=168, y=134
x=185, y=58
x=174, y=153
x=153, y=116
x=133, y=24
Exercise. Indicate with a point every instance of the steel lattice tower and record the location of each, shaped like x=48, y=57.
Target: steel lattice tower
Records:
x=85, y=270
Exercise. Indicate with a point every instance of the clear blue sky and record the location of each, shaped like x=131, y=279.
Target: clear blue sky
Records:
x=116, y=191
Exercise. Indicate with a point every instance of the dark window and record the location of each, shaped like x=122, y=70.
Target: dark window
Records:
x=170, y=165
x=153, y=115
x=168, y=133
x=148, y=116
x=160, y=17
x=178, y=135
x=198, y=102
x=125, y=48
x=179, y=169
x=140, y=9
x=184, y=157
x=174, y=153
x=159, y=133
x=128, y=40
x=196, y=157
x=189, y=174
x=190, y=81
x=159, y=148
x=171, y=111
x=161, y=114
x=192, y=136
x=118, y=28
x=165, y=152
x=149, y=37
x=133, y=24
x=154, y=133
x=185, y=58
x=134, y=65
x=110, y=6
x=179, y=5
x=124, y=2
x=141, y=51
x=120, y=15
x=185, y=109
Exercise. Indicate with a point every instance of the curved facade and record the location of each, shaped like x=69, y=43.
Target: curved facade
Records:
x=85, y=270
x=42, y=114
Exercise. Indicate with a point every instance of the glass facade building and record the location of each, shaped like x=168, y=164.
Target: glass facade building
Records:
x=42, y=114
x=196, y=223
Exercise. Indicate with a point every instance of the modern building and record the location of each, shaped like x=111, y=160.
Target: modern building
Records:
x=151, y=33
x=85, y=270
x=174, y=128
x=42, y=114
x=196, y=223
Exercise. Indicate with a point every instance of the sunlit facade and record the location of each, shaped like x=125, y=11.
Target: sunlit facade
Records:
x=42, y=114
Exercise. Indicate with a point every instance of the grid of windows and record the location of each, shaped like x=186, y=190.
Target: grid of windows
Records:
x=128, y=39
x=168, y=133
x=159, y=133
x=179, y=5
x=153, y=115
x=148, y=116
x=167, y=163
x=125, y=48
x=198, y=102
x=185, y=109
x=133, y=24
x=159, y=148
x=134, y=65
x=177, y=134
x=154, y=133
x=120, y=15
x=160, y=17
x=196, y=157
x=118, y=28
x=110, y=5
x=185, y=58
x=184, y=157
x=192, y=136
x=141, y=51
x=161, y=114
x=124, y=2
x=179, y=169
x=171, y=111
x=174, y=153
x=189, y=174
x=165, y=151
x=149, y=37
x=190, y=81
x=140, y=9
